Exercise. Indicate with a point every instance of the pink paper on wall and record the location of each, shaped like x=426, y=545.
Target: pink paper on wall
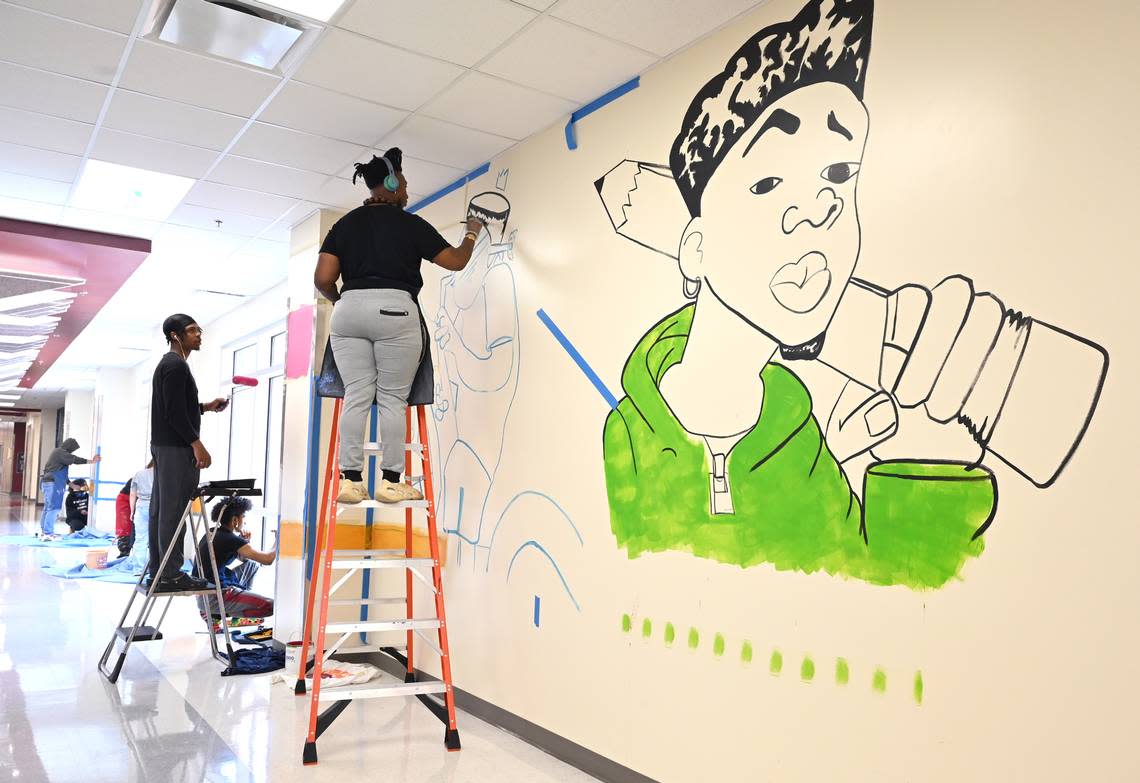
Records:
x=299, y=342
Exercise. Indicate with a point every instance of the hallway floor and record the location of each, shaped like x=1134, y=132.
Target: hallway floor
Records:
x=172, y=718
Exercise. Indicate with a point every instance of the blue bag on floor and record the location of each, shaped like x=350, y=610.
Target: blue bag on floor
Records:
x=256, y=660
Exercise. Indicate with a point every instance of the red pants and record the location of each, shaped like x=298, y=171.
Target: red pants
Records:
x=123, y=524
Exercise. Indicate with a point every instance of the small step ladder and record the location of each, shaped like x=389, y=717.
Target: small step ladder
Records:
x=194, y=515
x=326, y=560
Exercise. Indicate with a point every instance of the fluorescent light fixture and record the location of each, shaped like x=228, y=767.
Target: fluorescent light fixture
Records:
x=125, y=190
x=7, y=405
x=321, y=10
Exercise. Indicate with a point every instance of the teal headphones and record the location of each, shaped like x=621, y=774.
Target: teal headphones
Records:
x=391, y=182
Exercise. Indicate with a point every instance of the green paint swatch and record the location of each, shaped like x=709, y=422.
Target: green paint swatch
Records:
x=718, y=645
x=776, y=664
x=626, y=623
x=746, y=651
x=670, y=633
x=879, y=681
x=807, y=670
x=842, y=671
x=694, y=639
x=918, y=687
x=646, y=628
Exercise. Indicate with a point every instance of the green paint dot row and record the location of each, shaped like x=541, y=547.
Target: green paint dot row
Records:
x=775, y=661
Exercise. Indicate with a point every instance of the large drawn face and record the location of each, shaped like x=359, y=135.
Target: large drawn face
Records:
x=779, y=227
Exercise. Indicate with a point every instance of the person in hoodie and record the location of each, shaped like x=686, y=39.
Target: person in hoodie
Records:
x=53, y=482
x=715, y=449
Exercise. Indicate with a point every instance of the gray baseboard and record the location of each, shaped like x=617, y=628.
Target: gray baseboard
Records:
x=561, y=748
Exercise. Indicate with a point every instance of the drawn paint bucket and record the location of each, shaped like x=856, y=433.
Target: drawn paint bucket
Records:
x=96, y=560
x=928, y=516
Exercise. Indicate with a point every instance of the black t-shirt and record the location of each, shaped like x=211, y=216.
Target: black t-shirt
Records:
x=175, y=414
x=76, y=507
x=381, y=246
x=226, y=546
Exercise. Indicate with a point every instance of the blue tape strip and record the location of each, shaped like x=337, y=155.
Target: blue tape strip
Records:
x=366, y=579
x=449, y=188
x=564, y=341
x=593, y=106
x=311, y=480
x=537, y=604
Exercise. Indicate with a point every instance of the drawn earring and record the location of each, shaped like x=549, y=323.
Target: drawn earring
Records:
x=691, y=288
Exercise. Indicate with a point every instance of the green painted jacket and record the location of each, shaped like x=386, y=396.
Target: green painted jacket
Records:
x=792, y=504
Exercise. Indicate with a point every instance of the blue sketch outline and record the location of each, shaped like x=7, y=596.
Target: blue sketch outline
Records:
x=535, y=545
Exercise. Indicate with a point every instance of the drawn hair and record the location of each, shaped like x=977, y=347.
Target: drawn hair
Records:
x=827, y=41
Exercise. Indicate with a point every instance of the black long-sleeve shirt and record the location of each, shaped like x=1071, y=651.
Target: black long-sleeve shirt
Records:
x=175, y=414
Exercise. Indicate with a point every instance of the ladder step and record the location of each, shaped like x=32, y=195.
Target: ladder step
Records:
x=143, y=590
x=384, y=562
x=374, y=446
x=374, y=626
x=145, y=633
x=368, y=552
x=383, y=691
x=377, y=504
x=370, y=648
x=366, y=601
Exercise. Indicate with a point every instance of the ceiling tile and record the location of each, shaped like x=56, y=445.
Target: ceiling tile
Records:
x=145, y=115
x=231, y=199
x=274, y=144
x=33, y=188
x=174, y=244
x=60, y=46
x=108, y=224
x=461, y=32
x=493, y=105
x=22, y=209
x=151, y=154
x=311, y=109
x=39, y=130
x=538, y=5
x=110, y=14
x=659, y=26
x=206, y=218
x=441, y=142
x=50, y=93
x=17, y=159
x=558, y=58
x=352, y=64
x=422, y=176
x=279, y=180
x=342, y=193
x=169, y=73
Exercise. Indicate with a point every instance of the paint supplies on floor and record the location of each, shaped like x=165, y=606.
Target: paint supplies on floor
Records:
x=97, y=560
x=336, y=674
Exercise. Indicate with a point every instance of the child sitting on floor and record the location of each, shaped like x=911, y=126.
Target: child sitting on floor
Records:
x=232, y=543
x=76, y=504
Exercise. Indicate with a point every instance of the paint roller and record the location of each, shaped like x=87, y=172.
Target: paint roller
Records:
x=1024, y=389
x=240, y=380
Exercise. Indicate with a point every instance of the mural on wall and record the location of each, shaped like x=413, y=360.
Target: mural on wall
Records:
x=477, y=343
x=716, y=449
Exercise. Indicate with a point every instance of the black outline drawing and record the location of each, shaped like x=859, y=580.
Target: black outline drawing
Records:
x=955, y=354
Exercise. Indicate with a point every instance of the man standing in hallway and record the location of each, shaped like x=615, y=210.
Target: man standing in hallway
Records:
x=179, y=454
x=53, y=482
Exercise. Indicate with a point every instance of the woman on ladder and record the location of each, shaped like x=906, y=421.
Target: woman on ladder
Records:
x=377, y=331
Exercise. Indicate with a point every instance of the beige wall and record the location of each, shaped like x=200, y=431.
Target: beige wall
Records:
x=1001, y=147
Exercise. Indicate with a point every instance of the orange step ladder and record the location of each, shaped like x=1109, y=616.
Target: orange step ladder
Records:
x=438, y=696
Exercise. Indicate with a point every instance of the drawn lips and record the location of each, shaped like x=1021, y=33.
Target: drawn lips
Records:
x=800, y=286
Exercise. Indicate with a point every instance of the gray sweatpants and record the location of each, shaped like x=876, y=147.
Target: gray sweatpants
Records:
x=377, y=342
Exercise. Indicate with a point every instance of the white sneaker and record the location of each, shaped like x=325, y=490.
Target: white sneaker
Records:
x=390, y=492
x=351, y=492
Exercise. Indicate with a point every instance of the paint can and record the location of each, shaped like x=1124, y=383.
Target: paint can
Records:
x=292, y=658
x=96, y=560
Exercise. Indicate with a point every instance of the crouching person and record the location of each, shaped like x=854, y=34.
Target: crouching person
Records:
x=231, y=543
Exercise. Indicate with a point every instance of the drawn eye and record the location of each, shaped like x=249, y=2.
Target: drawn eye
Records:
x=766, y=185
x=838, y=173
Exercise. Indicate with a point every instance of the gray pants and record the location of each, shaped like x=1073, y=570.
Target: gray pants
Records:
x=377, y=343
x=175, y=479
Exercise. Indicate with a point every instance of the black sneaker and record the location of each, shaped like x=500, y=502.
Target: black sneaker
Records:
x=181, y=583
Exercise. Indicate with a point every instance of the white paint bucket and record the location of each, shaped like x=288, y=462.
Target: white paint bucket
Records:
x=292, y=658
